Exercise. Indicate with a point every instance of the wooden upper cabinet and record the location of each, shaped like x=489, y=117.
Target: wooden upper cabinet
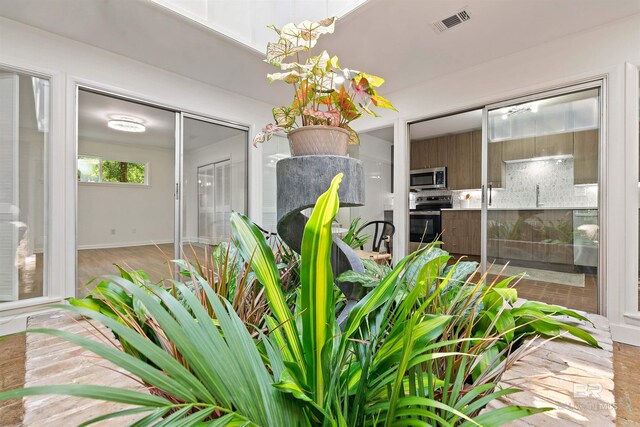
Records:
x=496, y=164
x=437, y=151
x=517, y=149
x=476, y=158
x=585, y=157
x=415, y=155
x=429, y=153
x=554, y=145
x=460, y=161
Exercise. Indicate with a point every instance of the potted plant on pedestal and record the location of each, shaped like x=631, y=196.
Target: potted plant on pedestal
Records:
x=326, y=99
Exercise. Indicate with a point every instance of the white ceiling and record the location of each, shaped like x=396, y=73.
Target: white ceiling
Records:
x=446, y=125
x=393, y=39
x=386, y=133
x=95, y=110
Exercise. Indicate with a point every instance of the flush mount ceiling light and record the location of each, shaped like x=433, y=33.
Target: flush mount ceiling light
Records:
x=519, y=109
x=126, y=123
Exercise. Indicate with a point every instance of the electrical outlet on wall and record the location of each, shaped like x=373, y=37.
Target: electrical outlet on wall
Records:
x=113, y=231
x=133, y=231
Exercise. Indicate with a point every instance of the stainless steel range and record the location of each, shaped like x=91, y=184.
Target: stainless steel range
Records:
x=424, y=220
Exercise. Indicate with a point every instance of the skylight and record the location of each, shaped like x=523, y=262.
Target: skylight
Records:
x=246, y=20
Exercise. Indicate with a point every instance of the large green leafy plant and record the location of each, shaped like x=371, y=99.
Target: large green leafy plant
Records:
x=324, y=93
x=424, y=347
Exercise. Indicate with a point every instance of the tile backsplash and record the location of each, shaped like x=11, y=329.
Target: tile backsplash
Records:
x=555, y=178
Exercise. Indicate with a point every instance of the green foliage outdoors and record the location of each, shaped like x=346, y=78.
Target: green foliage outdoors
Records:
x=234, y=343
x=116, y=171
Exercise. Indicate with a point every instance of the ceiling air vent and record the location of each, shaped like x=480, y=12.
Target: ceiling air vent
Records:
x=451, y=21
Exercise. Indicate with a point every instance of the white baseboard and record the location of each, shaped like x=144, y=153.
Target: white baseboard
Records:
x=626, y=334
x=124, y=244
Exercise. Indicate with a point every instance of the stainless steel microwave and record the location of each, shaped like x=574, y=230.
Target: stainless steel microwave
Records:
x=425, y=179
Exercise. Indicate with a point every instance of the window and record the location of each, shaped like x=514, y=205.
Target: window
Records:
x=96, y=169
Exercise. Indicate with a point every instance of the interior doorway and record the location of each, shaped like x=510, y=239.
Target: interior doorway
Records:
x=125, y=187
x=214, y=202
x=214, y=183
x=153, y=185
x=521, y=182
x=541, y=208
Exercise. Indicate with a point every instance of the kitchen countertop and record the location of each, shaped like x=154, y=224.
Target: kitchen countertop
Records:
x=541, y=208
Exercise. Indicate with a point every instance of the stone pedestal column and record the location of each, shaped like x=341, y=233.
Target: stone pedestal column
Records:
x=301, y=180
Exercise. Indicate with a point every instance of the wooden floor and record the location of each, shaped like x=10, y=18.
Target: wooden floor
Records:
x=584, y=299
x=30, y=276
x=153, y=259
x=626, y=377
x=574, y=297
x=12, y=375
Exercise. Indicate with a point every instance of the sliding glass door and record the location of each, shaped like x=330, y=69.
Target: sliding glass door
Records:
x=153, y=185
x=213, y=182
x=125, y=187
x=24, y=141
x=540, y=210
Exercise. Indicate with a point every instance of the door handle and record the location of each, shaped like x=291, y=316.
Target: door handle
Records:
x=482, y=194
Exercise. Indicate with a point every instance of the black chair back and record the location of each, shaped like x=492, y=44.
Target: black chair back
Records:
x=267, y=233
x=381, y=231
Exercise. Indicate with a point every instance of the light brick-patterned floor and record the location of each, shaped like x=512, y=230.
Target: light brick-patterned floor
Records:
x=549, y=377
x=51, y=360
x=574, y=379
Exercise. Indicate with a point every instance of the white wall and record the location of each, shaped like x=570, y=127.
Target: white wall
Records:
x=69, y=62
x=600, y=51
x=273, y=150
x=140, y=215
x=230, y=148
x=375, y=154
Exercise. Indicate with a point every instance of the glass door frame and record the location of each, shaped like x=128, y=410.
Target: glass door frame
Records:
x=600, y=84
x=179, y=169
x=179, y=113
x=52, y=291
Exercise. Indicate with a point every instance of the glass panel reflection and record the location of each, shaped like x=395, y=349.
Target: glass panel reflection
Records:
x=542, y=217
x=214, y=172
x=24, y=133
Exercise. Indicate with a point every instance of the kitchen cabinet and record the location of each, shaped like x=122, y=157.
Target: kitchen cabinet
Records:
x=538, y=146
x=429, y=153
x=585, y=157
x=460, y=162
x=476, y=159
x=461, y=231
x=415, y=153
x=495, y=170
x=554, y=145
x=518, y=149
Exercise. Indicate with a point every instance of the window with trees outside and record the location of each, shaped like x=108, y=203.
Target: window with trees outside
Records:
x=98, y=170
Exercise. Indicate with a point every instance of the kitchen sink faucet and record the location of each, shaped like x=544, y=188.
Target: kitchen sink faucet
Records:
x=538, y=204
